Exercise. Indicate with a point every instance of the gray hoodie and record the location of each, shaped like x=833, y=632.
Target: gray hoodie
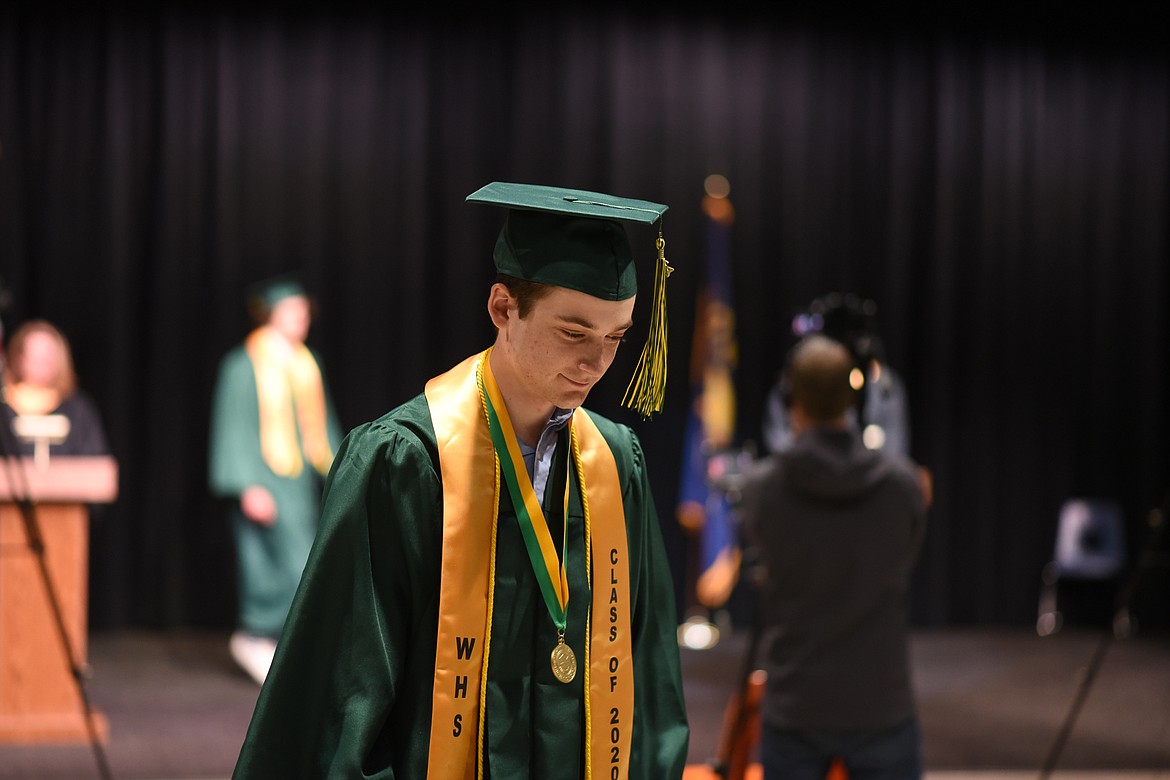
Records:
x=838, y=529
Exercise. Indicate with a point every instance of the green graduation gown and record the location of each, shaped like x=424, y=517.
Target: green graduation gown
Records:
x=350, y=692
x=269, y=558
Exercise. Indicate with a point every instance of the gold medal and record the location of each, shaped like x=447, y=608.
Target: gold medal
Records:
x=564, y=663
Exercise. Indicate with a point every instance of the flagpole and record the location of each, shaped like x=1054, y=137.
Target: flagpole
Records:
x=704, y=509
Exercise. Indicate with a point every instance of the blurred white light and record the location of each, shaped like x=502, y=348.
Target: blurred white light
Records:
x=717, y=186
x=874, y=437
x=698, y=634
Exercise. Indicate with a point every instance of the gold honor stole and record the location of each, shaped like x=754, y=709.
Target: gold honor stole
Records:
x=286, y=382
x=28, y=399
x=466, y=592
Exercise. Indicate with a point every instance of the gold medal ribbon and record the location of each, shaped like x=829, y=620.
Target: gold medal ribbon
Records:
x=549, y=570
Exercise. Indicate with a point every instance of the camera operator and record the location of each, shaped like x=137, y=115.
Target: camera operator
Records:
x=837, y=528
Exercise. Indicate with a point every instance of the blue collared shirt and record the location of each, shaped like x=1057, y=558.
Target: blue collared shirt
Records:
x=538, y=460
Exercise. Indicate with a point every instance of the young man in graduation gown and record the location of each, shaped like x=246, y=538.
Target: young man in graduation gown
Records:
x=273, y=435
x=489, y=595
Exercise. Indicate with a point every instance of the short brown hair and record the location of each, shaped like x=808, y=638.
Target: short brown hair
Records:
x=819, y=372
x=526, y=292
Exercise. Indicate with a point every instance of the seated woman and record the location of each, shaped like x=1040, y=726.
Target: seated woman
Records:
x=38, y=380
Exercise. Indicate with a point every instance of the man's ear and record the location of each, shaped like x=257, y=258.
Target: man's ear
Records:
x=797, y=419
x=500, y=304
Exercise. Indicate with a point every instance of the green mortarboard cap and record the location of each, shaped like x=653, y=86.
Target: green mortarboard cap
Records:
x=575, y=239
x=568, y=238
x=272, y=291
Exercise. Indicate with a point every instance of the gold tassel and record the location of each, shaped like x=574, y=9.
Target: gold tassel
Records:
x=647, y=388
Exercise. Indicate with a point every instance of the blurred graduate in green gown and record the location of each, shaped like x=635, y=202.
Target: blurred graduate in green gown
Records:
x=273, y=436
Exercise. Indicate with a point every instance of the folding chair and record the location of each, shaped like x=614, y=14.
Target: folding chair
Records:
x=1079, y=584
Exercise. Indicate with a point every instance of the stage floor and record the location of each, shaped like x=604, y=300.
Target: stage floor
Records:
x=992, y=703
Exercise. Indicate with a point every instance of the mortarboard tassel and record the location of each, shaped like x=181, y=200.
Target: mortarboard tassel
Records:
x=647, y=388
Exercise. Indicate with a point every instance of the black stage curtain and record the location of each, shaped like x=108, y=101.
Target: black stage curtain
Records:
x=1000, y=189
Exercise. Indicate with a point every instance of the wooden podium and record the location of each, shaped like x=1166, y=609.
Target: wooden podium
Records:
x=39, y=698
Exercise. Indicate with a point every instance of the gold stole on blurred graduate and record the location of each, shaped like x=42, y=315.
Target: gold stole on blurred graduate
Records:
x=288, y=383
x=471, y=495
x=28, y=399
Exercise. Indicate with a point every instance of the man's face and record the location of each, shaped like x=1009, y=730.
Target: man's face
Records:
x=566, y=344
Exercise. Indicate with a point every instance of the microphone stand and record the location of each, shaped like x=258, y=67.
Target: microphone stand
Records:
x=36, y=544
